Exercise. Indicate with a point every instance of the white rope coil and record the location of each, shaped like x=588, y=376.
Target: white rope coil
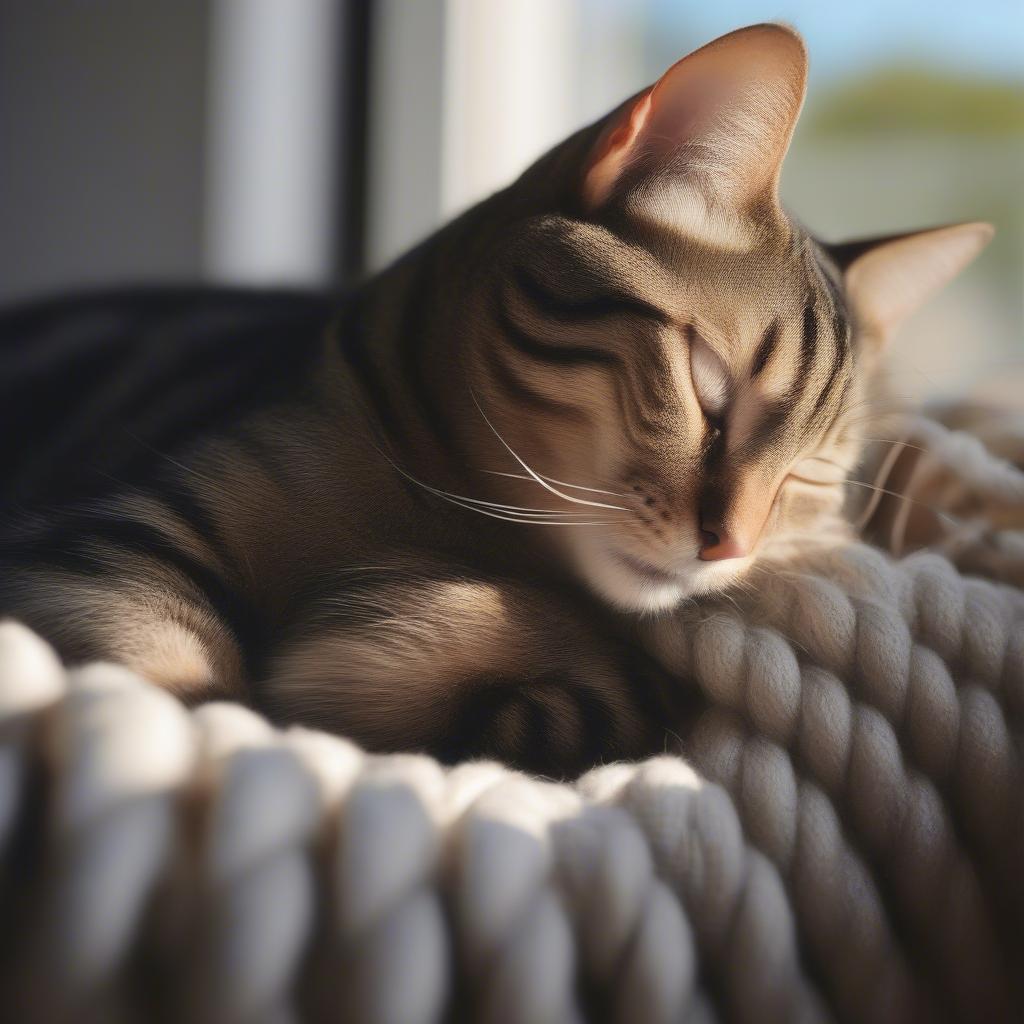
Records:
x=844, y=842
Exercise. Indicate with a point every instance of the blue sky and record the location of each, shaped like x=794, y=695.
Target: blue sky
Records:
x=978, y=36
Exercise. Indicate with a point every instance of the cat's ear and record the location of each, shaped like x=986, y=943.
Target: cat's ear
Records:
x=888, y=278
x=725, y=113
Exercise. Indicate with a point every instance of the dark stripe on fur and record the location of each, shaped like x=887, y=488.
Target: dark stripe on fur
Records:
x=523, y=392
x=352, y=340
x=548, y=352
x=840, y=312
x=595, y=307
x=417, y=316
x=839, y=359
x=182, y=501
x=840, y=402
x=632, y=404
x=655, y=379
x=168, y=365
x=543, y=735
x=76, y=543
x=597, y=725
x=775, y=422
x=550, y=744
x=766, y=348
x=808, y=344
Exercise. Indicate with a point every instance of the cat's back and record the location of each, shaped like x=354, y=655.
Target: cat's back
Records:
x=95, y=386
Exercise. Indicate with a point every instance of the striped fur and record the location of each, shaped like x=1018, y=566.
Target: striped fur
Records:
x=424, y=512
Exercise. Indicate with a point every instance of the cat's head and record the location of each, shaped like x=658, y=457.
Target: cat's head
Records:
x=668, y=351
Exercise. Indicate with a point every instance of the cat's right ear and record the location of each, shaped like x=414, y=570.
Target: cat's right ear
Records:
x=724, y=114
x=887, y=278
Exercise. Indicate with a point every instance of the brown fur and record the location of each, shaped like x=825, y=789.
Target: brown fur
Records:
x=397, y=614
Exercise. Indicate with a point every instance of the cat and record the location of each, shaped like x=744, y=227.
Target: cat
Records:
x=426, y=512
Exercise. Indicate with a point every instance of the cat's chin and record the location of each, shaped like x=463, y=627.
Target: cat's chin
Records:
x=633, y=585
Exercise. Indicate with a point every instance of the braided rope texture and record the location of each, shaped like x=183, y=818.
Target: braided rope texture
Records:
x=844, y=840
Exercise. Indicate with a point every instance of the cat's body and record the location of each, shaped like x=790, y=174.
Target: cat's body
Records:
x=394, y=514
x=207, y=522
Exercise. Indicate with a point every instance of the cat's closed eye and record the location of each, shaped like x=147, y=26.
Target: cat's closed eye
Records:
x=710, y=378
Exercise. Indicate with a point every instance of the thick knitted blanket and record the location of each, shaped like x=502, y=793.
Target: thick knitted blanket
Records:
x=844, y=839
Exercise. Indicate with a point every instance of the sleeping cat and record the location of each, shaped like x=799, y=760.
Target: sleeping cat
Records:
x=425, y=513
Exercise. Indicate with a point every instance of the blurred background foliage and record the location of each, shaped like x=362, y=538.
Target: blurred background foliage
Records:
x=908, y=100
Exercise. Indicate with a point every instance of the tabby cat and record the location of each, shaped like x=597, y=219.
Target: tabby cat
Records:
x=425, y=513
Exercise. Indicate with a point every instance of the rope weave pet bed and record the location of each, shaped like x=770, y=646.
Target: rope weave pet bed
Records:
x=845, y=839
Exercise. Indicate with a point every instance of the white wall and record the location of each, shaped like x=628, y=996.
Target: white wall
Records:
x=273, y=110
x=465, y=94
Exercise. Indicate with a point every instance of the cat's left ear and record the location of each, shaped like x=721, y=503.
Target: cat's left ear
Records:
x=888, y=278
x=723, y=116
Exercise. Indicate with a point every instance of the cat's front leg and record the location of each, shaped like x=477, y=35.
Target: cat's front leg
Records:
x=147, y=617
x=462, y=667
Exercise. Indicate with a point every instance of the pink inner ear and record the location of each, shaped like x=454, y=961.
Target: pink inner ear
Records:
x=660, y=121
x=682, y=104
x=613, y=149
x=740, y=95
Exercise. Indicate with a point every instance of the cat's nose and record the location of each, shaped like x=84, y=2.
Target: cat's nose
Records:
x=717, y=544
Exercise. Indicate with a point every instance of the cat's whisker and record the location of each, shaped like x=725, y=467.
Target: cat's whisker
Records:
x=524, y=520
x=512, y=509
x=498, y=506
x=828, y=462
x=894, y=441
x=871, y=410
x=552, y=480
x=494, y=510
x=944, y=516
x=885, y=470
x=512, y=516
x=872, y=421
x=174, y=462
x=881, y=477
x=535, y=476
